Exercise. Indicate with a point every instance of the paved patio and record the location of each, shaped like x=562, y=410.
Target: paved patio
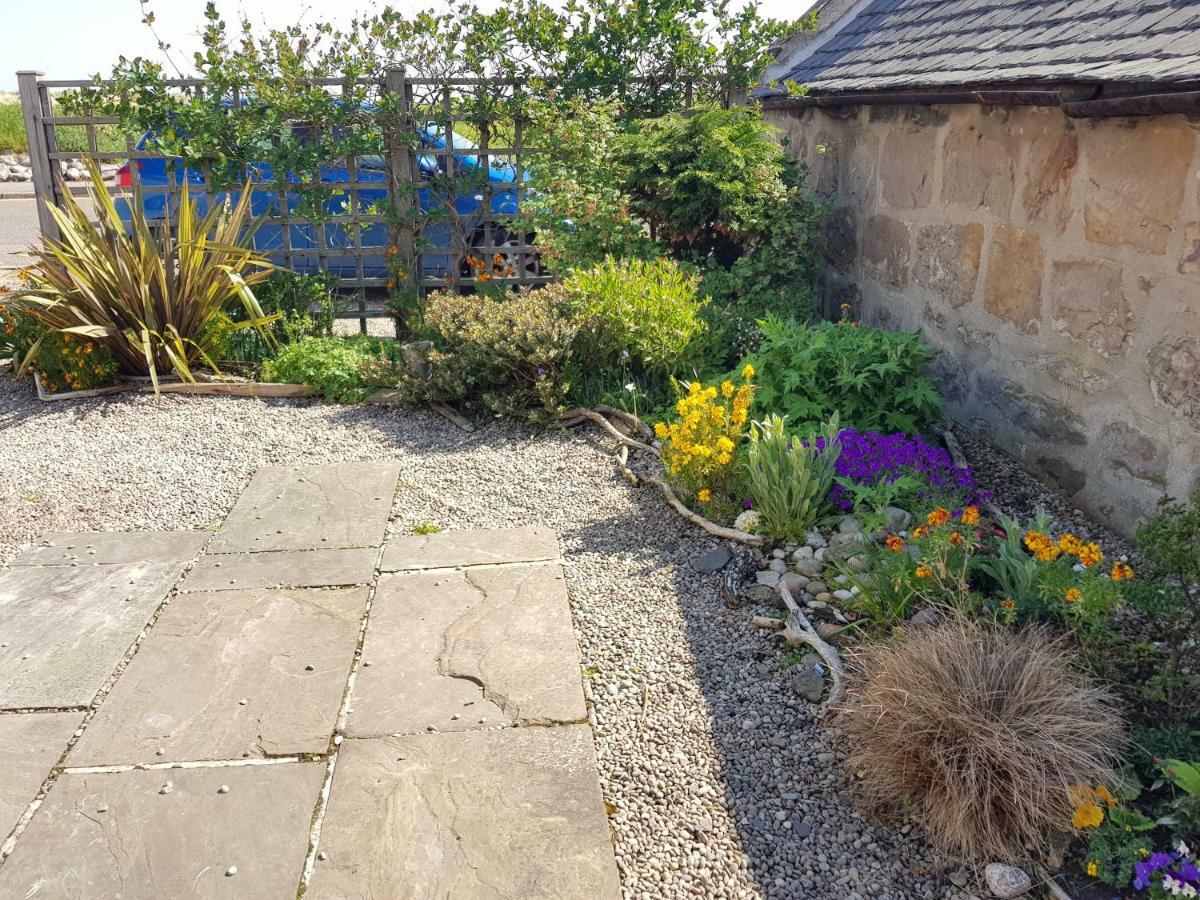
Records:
x=296, y=705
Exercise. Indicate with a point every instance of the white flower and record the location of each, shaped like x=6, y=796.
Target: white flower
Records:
x=747, y=521
x=631, y=387
x=1183, y=849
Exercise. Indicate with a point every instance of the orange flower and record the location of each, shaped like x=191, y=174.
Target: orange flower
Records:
x=924, y=572
x=920, y=531
x=895, y=543
x=1008, y=603
x=938, y=517
x=955, y=538
x=1121, y=572
x=970, y=515
x=1090, y=554
x=1073, y=594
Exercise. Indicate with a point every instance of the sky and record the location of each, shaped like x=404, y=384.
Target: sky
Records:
x=78, y=38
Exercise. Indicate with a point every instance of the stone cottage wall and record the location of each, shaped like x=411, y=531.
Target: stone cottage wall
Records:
x=1053, y=262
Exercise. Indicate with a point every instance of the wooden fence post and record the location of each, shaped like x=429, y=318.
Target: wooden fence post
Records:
x=402, y=178
x=35, y=135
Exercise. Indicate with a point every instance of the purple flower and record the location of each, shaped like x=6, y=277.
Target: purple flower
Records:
x=541, y=371
x=748, y=502
x=870, y=458
x=1143, y=870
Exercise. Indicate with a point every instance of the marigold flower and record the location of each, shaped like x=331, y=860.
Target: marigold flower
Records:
x=1093, y=867
x=955, y=538
x=704, y=495
x=920, y=531
x=1122, y=572
x=1073, y=594
x=748, y=372
x=970, y=515
x=938, y=517
x=1008, y=603
x=924, y=572
x=1090, y=554
x=1105, y=794
x=895, y=543
x=1068, y=543
x=1044, y=549
x=1087, y=815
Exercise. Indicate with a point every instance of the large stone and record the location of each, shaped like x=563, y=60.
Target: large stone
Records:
x=30, y=746
x=63, y=629
x=714, y=560
x=886, y=250
x=282, y=568
x=1053, y=156
x=978, y=168
x=1130, y=453
x=906, y=166
x=841, y=239
x=1087, y=302
x=1006, y=881
x=113, y=548
x=1136, y=182
x=1174, y=369
x=119, y=835
x=948, y=260
x=448, y=549
x=511, y=814
x=470, y=649
x=287, y=654
x=311, y=508
x=1013, y=290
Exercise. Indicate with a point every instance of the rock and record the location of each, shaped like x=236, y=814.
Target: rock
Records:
x=761, y=594
x=821, y=553
x=777, y=553
x=960, y=877
x=3, y=172
x=809, y=567
x=714, y=560
x=805, y=552
x=74, y=174
x=843, y=595
x=849, y=525
x=897, y=519
x=848, y=538
x=767, y=577
x=928, y=616
x=808, y=684
x=416, y=357
x=814, y=539
x=857, y=563
x=828, y=630
x=797, y=584
x=824, y=597
x=769, y=622
x=817, y=588
x=1006, y=881
x=778, y=566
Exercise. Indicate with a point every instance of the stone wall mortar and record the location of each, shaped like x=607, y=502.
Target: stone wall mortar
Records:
x=1053, y=262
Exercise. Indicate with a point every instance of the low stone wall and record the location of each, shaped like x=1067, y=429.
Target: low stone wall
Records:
x=1053, y=262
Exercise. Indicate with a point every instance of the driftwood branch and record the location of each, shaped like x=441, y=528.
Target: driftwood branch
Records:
x=800, y=631
x=731, y=534
x=600, y=420
x=629, y=419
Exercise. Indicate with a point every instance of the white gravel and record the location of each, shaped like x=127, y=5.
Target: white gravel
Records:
x=719, y=781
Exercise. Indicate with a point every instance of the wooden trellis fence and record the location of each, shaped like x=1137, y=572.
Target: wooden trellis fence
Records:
x=447, y=210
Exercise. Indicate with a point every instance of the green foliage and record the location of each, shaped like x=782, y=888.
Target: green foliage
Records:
x=19, y=332
x=1014, y=570
x=1171, y=541
x=645, y=312
x=422, y=528
x=334, y=368
x=1184, y=779
x=790, y=479
x=1116, y=846
x=300, y=306
x=888, y=593
x=508, y=356
x=71, y=363
x=154, y=295
x=870, y=376
x=71, y=138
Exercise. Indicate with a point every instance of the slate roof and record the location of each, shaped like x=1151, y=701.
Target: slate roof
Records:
x=915, y=44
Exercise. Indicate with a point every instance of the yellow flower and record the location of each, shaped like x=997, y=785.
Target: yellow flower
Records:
x=704, y=495
x=895, y=543
x=1105, y=794
x=1121, y=572
x=661, y=431
x=1073, y=594
x=724, y=444
x=1093, y=867
x=970, y=515
x=1087, y=815
x=726, y=389
x=748, y=372
x=694, y=388
x=924, y=572
x=1089, y=554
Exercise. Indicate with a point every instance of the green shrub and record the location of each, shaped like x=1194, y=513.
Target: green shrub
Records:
x=646, y=312
x=301, y=306
x=510, y=356
x=790, y=479
x=334, y=368
x=67, y=362
x=870, y=376
x=19, y=332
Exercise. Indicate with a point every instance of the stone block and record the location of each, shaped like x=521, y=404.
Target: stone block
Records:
x=1137, y=178
x=509, y=814
x=1189, y=262
x=1130, y=453
x=841, y=239
x=906, y=167
x=978, y=166
x=1173, y=366
x=947, y=260
x=286, y=653
x=113, y=548
x=1053, y=159
x=470, y=649
x=1013, y=289
x=30, y=746
x=1087, y=302
x=333, y=507
x=121, y=835
x=886, y=250
x=282, y=568
x=65, y=628
x=447, y=549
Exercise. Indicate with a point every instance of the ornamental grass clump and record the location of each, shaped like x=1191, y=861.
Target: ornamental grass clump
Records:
x=982, y=734
x=790, y=478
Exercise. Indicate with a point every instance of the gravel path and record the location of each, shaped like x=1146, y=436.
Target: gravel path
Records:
x=718, y=780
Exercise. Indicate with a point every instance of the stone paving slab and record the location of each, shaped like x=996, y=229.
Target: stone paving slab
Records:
x=446, y=649
x=481, y=815
x=117, y=835
x=64, y=628
x=286, y=653
x=330, y=507
x=30, y=745
x=281, y=568
x=113, y=548
x=448, y=549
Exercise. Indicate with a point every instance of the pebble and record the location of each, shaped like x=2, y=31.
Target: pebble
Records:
x=223, y=789
x=166, y=788
x=231, y=871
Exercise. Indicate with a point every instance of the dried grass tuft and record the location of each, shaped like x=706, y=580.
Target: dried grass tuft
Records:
x=980, y=734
